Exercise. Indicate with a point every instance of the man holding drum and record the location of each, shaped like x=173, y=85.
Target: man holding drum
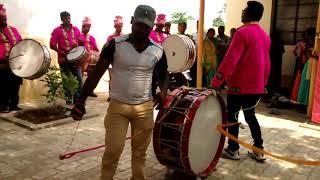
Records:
x=10, y=83
x=135, y=59
x=91, y=46
x=246, y=68
x=63, y=39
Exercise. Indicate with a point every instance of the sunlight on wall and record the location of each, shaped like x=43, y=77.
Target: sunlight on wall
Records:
x=37, y=18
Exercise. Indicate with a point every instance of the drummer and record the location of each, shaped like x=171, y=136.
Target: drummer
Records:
x=89, y=43
x=63, y=39
x=10, y=83
x=135, y=59
x=157, y=34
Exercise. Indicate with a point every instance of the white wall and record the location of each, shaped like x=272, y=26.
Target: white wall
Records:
x=234, y=11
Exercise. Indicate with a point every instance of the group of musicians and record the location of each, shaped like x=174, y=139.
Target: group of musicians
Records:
x=136, y=59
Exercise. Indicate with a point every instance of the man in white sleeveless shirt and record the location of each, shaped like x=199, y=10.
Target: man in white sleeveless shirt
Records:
x=138, y=66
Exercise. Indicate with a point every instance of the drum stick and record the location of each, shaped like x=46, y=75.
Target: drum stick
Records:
x=18, y=68
x=16, y=56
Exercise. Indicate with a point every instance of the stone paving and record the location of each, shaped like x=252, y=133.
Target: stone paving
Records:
x=28, y=154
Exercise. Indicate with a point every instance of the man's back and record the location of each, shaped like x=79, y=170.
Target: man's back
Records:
x=254, y=63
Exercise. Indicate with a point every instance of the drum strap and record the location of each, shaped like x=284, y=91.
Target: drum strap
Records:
x=221, y=129
x=88, y=42
x=7, y=43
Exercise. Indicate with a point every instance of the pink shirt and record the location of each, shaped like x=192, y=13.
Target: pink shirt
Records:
x=90, y=43
x=158, y=37
x=246, y=65
x=114, y=36
x=66, y=40
x=9, y=36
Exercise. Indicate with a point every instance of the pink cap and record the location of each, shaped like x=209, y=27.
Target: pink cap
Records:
x=3, y=12
x=161, y=19
x=118, y=20
x=86, y=21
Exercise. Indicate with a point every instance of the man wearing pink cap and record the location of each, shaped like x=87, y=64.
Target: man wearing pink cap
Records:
x=157, y=34
x=9, y=92
x=118, y=23
x=63, y=39
x=89, y=43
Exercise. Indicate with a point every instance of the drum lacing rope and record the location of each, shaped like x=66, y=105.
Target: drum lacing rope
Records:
x=220, y=128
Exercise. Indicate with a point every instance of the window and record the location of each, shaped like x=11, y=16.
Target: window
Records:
x=293, y=17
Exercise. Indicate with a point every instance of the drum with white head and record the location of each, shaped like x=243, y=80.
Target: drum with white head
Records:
x=78, y=56
x=185, y=136
x=29, y=59
x=180, y=51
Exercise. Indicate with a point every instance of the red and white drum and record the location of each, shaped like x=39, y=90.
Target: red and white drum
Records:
x=78, y=56
x=180, y=51
x=185, y=137
x=29, y=59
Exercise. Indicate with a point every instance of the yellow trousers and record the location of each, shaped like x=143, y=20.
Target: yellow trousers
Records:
x=116, y=122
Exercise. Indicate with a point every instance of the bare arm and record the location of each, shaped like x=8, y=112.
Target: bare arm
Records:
x=161, y=78
x=93, y=79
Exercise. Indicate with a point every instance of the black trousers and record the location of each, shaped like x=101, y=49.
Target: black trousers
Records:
x=193, y=74
x=247, y=103
x=9, y=91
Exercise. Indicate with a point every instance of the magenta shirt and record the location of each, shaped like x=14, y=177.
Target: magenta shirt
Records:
x=90, y=43
x=246, y=66
x=158, y=37
x=9, y=36
x=66, y=40
x=113, y=36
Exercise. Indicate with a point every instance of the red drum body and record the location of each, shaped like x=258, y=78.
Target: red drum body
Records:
x=78, y=56
x=185, y=136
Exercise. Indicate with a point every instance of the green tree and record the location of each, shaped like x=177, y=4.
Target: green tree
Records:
x=218, y=21
x=57, y=83
x=177, y=17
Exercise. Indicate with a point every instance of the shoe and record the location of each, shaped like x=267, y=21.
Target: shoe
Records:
x=93, y=94
x=257, y=156
x=5, y=110
x=227, y=153
x=15, y=108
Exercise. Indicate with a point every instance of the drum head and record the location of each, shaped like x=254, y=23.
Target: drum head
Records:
x=26, y=58
x=177, y=53
x=204, y=140
x=75, y=53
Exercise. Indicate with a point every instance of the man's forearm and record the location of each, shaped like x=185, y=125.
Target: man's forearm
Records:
x=164, y=84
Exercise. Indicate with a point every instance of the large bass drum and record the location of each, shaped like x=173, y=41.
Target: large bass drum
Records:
x=180, y=51
x=185, y=136
x=29, y=59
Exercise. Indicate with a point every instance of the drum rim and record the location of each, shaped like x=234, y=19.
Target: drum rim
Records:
x=29, y=39
x=218, y=153
x=72, y=60
x=46, y=62
x=179, y=69
x=186, y=133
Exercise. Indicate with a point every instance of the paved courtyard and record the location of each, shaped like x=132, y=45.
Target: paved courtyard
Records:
x=26, y=154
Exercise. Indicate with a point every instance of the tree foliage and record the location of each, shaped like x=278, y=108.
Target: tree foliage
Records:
x=177, y=17
x=57, y=83
x=218, y=21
